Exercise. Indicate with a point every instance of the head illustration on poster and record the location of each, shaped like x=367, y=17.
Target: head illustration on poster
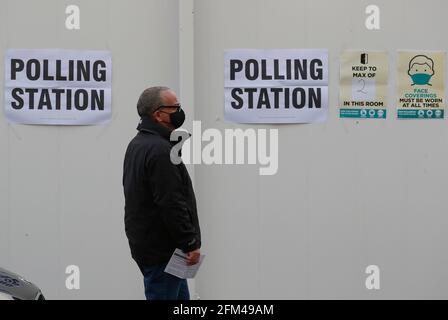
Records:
x=421, y=69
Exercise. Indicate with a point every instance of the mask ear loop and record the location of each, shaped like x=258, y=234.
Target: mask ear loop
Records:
x=163, y=112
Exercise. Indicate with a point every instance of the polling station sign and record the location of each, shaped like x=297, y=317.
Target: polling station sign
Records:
x=58, y=87
x=363, y=85
x=276, y=86
x=421, y=85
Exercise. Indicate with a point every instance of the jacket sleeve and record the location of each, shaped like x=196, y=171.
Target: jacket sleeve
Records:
x=167, y=187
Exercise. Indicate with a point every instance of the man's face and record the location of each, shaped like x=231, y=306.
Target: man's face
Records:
x=162, y=115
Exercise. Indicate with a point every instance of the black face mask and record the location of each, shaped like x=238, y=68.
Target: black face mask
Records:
x=177, y=118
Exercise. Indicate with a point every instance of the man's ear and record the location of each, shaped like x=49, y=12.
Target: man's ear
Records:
x=156, y=116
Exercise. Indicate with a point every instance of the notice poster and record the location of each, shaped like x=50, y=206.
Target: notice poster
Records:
x=276, y=86
x=58, y=87
x=363, y=85
x=421, y=85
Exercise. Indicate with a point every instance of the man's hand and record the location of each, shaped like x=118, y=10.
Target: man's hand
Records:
x=193, y=257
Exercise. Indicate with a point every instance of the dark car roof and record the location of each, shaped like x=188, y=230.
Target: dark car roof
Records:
x=17, y=287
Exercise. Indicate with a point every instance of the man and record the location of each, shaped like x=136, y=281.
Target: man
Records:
x=160, y=205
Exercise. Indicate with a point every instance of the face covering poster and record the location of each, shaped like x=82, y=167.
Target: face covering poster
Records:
x=421, y=85
x=363, y=85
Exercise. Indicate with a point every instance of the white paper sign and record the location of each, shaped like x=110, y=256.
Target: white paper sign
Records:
x=276, y=86
x=58, y=87
x=177, y=266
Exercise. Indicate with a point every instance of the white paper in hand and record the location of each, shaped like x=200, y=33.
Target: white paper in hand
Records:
x=177, y=266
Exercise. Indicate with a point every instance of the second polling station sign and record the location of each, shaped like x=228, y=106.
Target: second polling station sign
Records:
x=58, y=87
x=276, y=86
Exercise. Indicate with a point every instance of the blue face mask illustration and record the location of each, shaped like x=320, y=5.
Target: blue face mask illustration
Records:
x=421, y=78
x=421, y=69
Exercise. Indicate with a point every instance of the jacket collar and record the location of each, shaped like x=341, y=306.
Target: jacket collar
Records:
x=146, y=124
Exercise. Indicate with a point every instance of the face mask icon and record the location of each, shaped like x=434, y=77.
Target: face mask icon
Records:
x=421, y=78
x=421, y=69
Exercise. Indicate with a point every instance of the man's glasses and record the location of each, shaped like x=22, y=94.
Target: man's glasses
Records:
x=178, y=107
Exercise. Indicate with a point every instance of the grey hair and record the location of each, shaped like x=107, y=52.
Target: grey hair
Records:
x=150, y=100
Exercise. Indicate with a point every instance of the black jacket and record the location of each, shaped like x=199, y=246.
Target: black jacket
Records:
x=160, y=205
